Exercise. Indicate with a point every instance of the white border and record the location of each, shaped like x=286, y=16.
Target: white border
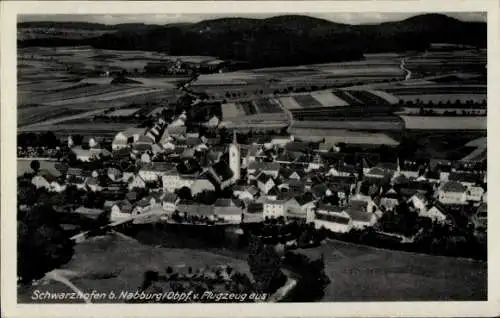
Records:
x=9, y=10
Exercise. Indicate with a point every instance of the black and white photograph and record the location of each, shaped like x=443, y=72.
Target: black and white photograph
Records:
x=271, y=157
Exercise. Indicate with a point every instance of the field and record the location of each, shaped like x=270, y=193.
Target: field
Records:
x=335, y=136
x=444, y=123
x=123, y=112
x=249, y=108
x=61, y=84
x=23, y=166
x=113, y=263
x=360, y=273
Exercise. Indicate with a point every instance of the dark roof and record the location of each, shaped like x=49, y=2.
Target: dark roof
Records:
x=74, y=172
x=358, y=215
x=453, y=186
x=255, y=207
x=305, y=198
x=224, y=202
x=464, y=177
x=264, y=166
x=169, y=197
x=263, y=177
x=222, y=170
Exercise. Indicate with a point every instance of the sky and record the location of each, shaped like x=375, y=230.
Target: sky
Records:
x=339, y=17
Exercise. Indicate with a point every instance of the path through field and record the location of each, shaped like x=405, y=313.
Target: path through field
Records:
x=403, y=67
x=62, y=119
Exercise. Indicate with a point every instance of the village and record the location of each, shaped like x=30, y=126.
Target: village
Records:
x=176, y=175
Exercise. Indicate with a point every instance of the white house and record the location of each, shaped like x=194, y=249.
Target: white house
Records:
x=120, y=211
x=389, y=200
x=277, y=208
x=40, y=182
x=332, y=218
x=123, y=138
x=474, y=194
x=452, y=192
x=433, y=213
x=136, y=182
x=418, y=201
x=170, y=201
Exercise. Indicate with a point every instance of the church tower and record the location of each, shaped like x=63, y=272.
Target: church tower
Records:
x=235, y=158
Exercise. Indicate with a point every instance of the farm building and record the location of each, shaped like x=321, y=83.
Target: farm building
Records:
x=128, y=136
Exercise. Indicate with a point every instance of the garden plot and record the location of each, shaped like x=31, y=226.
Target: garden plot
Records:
x=307, y=101
x=267, y=106
x=444, y=123
x=289, y=103
x=328, y=99
x=123, y=112
x=231, y=110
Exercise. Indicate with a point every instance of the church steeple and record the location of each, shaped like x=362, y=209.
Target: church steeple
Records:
x=235, y=141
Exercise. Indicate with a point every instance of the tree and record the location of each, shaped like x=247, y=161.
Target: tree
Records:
x=184, y=193
x=265, y=265
x=77, y=140
x=35, y=165
x=42, y=244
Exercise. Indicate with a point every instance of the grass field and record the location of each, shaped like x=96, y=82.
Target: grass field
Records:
x=444, y=123
x=113, y=263
x=360, y=273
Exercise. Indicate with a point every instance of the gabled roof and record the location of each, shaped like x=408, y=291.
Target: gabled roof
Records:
x=305, y=198
x=222, y=170
x=227, y=202
x=268, y=166
x=254, y=207
x=453, y=186
x=129, y=132
x=74, y=172
x=359, y=215
x=464, y=177
x=329, y=208
x=169, y=197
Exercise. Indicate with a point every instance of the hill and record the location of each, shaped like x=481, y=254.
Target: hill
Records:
x=289, y=39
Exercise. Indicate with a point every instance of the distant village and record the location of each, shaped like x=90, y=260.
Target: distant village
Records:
x=180, y=176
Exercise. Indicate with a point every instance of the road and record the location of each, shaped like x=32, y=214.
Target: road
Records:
x=56, y=275
x=403, y=67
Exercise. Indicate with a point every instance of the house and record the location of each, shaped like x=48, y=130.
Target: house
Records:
x=435, y=213
x=114, y=174
x=418, y=202
x=389, y=200
x=480, y=219
x=40, y=182
x=265, y=183
x=379, y=173
x=170, y=201
x=343, y=170
x=121, y=210
x=222, y=174
x=255, y=208
x=153, y=171
x=332, y=218
x=273, y=194
x=76, y=176
x=195, y=209
x=307, y=205
x=122, y=154
x=229, y=209
x=452, y=192
x=141, y=207
x=136, y=182
x=195, y=182
x=474, y=194
x=363, y=213
x=270, y=168
x=86, y=155
x=88, y=213
x=247, y=192
x=281, y=140
x=466, y=179
x=277, y=208
x=128, y=136
x=92, y=142
x=57, y=185
x=145, y=140
x=409, y=169
x=93, y=184
x=296, y=174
